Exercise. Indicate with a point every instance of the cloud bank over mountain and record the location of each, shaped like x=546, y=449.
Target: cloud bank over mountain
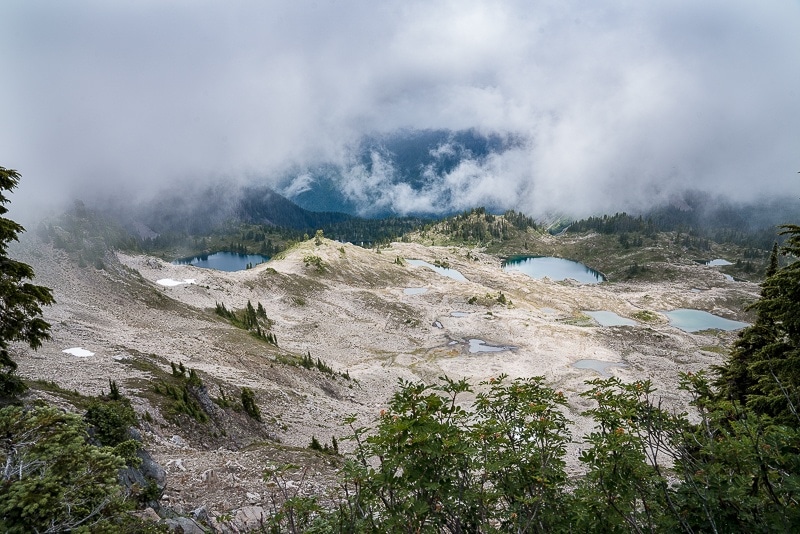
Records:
x=610, y=105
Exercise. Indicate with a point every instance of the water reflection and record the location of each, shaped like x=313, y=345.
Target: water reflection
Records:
x=223, y=261
x=553, y=268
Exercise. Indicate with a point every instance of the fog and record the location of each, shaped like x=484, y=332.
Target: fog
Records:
x=620, y=104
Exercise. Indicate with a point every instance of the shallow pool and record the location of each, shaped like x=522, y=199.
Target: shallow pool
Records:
x=479, y=345
x=607, y=318
x=444, y=271
x=696, y=321
x=415, y=290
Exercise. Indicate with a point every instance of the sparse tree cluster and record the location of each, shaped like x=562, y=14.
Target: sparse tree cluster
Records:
x=252, y=319
x=20, y=301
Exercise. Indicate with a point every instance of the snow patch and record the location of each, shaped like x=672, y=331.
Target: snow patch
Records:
x=78, y=351
x=169, y=282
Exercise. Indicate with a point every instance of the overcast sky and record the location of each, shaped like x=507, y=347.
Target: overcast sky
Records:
x=620, y=102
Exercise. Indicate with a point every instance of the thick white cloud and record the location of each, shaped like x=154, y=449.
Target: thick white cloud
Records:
x=621, y=102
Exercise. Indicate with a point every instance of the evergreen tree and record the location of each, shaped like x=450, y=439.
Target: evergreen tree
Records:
x=20, y=301
x=764, y=368
x=54, y=480
x=773, y=261
x=250, y=319
x=249, y=404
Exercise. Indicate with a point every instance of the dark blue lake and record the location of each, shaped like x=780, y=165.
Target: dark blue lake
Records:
x=553, y=268
x=223, y=261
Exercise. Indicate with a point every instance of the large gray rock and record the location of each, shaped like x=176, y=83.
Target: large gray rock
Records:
x=248, y=518
x=185, y=525
x=148, y=479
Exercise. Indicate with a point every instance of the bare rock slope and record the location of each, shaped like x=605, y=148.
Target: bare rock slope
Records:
x=348, y=307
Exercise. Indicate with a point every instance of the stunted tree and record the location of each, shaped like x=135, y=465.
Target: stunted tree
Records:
x=20, y=300
x=764, y=369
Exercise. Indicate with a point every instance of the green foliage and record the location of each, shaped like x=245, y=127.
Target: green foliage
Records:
x=182, y=391
x=249, y=404
x=521, y=435
x=20, y=301
x=113, y=390
x=740, y=470
x=477, y=226
x=254, y=320
x=645, y=316
x=625, y=487
x=732, y=471
x=764, y=369
x=432, y=466
x=292, y=511
x=110, y=420
x=308, y=362
x=53, y=480
x=315, y=261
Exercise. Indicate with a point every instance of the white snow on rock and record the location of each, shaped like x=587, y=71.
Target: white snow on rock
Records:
x=78, y=351
x=170, y=282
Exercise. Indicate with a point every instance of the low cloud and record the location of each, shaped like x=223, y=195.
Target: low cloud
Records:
x=619, y=104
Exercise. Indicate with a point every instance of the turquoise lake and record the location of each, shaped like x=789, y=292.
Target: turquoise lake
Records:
x=696, y=321
x=553, y=268
x=223, y=261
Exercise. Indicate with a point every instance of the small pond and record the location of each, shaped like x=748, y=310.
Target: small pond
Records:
x=479, y=345
x=223, y=261
x=607, y=318
x=696, y=321
x=597, y=365
x=444, y=271
x=553, y=268
x=415, y=290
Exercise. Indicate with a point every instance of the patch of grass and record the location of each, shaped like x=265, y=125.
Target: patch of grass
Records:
x=645, y=316
x=715, y=349
x=580, y=319
x=310, y=260
x=174, y=392
x=79, y=401
x=181, y=392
